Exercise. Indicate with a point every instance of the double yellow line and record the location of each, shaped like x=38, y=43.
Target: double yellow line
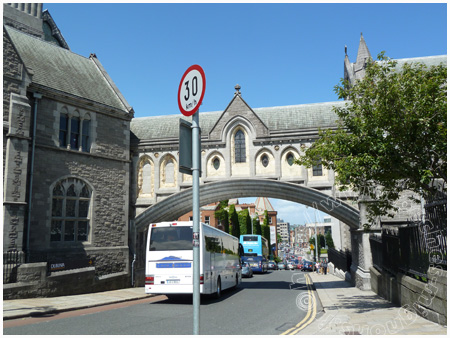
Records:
x=310, y=315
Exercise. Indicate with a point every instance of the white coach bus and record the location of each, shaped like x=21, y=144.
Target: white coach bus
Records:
x=169, y=259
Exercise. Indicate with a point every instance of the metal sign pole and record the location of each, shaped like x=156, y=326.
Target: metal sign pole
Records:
x=196, y=219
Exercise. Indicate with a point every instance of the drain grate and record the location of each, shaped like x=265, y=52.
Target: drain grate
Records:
x=352, y=333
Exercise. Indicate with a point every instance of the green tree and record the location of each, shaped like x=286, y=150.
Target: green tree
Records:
x=245, y=222
x=392, y=134
x=265, y=228
x=234, y=222
x=320, y=241
x=222, y=215
x=257, y=226
x=329, y=240
x=279, y=239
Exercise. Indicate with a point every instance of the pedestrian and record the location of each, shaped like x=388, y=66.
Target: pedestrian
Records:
x=317, y=267
x=321, y=268
x=325, y=266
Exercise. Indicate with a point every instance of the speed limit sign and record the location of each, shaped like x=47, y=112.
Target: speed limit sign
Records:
x=191, y=90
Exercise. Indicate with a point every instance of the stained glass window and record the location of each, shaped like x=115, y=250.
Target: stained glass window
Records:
x=265, y=160
x=74, y=133
x=239, y=147
x=70, y=211
x=63, y=123
x=290, y=159
x=216, y=163
x=85, y=142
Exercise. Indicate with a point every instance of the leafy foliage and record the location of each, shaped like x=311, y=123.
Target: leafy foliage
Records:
x=265, y=228
x=245, y=222
x=329, y=240
x=257, y=226
x=234, y=221
x=320, y=241
x=392, y=134
x=222, y=215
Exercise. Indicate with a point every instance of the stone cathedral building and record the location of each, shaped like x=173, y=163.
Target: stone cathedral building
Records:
x=72, y=188
x=66, y=176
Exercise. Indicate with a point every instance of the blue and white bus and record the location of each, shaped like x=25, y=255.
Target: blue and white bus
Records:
x=254, y=245
x=169, y=259
x=256, y=251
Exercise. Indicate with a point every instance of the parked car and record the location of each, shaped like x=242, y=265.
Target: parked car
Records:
x=307, y=266
x=272, y=265
x=290, y=266
x=246, y=270
x=281, y=266
x=300, y=266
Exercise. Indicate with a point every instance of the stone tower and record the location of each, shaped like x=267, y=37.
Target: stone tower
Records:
x=356, y=71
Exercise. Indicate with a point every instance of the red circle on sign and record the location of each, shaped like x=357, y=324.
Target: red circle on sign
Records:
x=183, y=102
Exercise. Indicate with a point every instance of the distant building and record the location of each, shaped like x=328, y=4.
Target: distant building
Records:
x=257, y=209
x=329, y=224
x=283, y=230
x=207, y=215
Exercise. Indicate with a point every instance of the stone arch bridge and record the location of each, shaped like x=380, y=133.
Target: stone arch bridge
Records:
x=180, y=203
x=245, y=152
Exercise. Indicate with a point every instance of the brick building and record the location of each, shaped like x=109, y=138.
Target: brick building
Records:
x=255, y=210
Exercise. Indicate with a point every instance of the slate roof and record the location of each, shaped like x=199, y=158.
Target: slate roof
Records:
x=60, y=69
x=282, y=118
x=427, y=60
x=277, y=119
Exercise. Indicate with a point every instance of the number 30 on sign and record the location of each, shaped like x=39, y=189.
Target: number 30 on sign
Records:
x=191, y=90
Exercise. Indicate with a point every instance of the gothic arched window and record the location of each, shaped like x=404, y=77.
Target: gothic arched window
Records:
x=170, y=171
x=290, y=159
x=239, y=146
x=71, y=199
x=146, y=179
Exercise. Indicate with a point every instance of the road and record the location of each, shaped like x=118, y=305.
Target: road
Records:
x=267, y=304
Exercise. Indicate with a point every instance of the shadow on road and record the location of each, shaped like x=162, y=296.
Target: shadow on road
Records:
x=204, y=299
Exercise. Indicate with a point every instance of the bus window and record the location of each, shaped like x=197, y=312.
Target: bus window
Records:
x=171, y=238
x=250, y=239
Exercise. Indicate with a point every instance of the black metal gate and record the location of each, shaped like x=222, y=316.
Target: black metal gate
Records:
x=11, y=261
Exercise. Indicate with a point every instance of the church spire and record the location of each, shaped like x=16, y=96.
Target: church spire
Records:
x=363, y=54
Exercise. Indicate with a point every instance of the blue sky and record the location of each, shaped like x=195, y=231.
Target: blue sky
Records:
x=280, y=54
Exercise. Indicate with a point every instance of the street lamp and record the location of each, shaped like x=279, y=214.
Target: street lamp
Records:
x=315, y=230
x=315, y=233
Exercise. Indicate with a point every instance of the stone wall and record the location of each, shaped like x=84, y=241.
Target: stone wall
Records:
x=429, y=300
x=104, y=169
x=33, y=281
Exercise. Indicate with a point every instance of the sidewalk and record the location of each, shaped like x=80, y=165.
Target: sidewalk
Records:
x=349, y=310
x=18, y=308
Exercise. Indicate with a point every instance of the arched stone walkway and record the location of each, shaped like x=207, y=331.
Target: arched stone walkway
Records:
x=180, y=203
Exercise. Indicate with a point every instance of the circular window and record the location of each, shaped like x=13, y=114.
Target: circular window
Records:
x=290, y=159
x=216, y=163
x=265, y=160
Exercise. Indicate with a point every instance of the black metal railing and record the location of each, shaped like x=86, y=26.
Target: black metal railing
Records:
x=341, y=259
x=376, y=246
x=414, y=247
x=390, y=250
x=11, y=261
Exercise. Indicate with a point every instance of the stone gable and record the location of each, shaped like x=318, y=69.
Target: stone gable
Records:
x=238, y=108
